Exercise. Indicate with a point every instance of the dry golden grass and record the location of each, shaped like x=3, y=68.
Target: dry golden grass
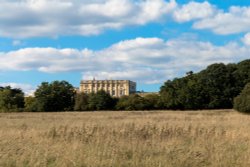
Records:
x=126, y=139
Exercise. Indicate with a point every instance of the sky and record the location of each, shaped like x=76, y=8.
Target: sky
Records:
x=147, y=41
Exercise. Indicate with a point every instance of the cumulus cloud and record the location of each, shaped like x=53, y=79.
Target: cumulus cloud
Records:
x=207, y=16
x=52, y=18
x=236, y=20
x=246, y=39
x=194, y=10
x=34, y=18
x=26, y=88
x=146, y=60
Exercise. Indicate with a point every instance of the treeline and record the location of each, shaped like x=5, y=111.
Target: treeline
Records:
x=213, y=88
x=103, y=101
x=61, y=96
x=219, y=86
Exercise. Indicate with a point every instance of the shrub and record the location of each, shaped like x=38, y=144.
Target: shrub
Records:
x=242, y=102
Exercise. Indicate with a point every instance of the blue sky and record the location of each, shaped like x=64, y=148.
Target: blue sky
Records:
x=147, y=41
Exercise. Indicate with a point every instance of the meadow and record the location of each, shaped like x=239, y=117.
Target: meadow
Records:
x=218, y=138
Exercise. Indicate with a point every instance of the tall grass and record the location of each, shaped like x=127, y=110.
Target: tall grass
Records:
x=126, y=139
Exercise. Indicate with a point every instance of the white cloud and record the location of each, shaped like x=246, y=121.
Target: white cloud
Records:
x=246, y=39
x=236, y=20
x=147, y=60
x=194, y=10
x=52, y=18
x=34, y=18
x=207, y=16
x=26, y=88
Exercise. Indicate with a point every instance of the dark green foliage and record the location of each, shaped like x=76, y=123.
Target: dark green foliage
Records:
x=242, y=102
x=213, y=88
x=55, y=96
x=30, y=104
x=133, y=102
x=184, y=93
x=242, y=75
x=11, y=99
x=154, y=101
x=100, y=101
x=94, y=102
x=81, y=102
x=218, y=83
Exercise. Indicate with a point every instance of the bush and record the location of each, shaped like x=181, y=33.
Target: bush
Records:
x=242, y=102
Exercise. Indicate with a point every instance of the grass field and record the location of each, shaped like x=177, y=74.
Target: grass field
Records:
x=126, y=139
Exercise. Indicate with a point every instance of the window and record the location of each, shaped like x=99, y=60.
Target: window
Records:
x=113, y=92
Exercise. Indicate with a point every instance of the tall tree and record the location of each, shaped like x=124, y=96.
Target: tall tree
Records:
x=213, y=88
x=11, y=99
x=100, y=101
x=55, y=96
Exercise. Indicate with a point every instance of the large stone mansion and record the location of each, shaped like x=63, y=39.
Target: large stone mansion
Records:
x=116, y=88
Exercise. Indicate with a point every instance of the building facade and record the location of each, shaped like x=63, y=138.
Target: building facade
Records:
x=116, y=88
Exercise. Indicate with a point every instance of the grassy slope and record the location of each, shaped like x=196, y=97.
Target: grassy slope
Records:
x=142, y=139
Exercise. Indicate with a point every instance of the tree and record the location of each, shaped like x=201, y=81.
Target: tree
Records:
x=153, y=101
x=213, y=88
x=100, y=101
x=122, y=103
x=242, y=75
x=55, y=96
x=133, y=102
x=242, y=102
x=183, y=93
x=31, y=104
x=11, y=99
x=81, y=102
x=218, y=82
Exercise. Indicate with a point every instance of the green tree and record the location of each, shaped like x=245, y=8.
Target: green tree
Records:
x=100, y=101
x=122, y=103
x=183, y=93
x=31, y=104
x=153, y=101
x=55, y=96
x=218, y=82
x=11, y=99
x=242, y=75
x=81, y=102
x=133, y=102
x=242, y=102
x=213, y=88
